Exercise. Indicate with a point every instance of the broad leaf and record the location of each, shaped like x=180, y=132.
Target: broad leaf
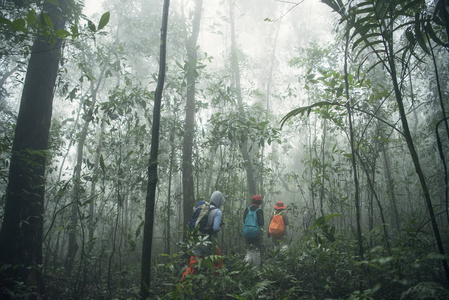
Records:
x=104, y=20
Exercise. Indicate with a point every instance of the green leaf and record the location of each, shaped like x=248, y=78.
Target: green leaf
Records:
x=6, y=22
x=74, y=30
x=410, y=36
x=102, y=165
x=372, y=45
x=365, y=38
x=179, y=65
x=104, y=20
x=91, y=25
x=329, y=217
x=31, y=17
x=433, y=36
x=19, y=25
x=62, y=33
x=48, y=20
x=419, y=35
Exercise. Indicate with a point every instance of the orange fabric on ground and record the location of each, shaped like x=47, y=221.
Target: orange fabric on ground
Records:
x=218, y=264
x=192, y=269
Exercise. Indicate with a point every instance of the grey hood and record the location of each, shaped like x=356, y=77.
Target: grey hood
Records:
x=217, y=199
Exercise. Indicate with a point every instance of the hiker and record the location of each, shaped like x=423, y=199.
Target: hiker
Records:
x=214, y=222
x=252, y=231
x=277, y=229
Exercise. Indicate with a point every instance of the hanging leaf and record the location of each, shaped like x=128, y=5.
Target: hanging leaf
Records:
x=102, y=165
x=48, y=20
x=433, y=36
x=419, y=35
x=104, y=20
x=31, y=17
x=91, y=25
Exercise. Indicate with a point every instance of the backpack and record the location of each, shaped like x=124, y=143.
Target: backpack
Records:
x=251, y=227
x=200, y=217
x=276, y=228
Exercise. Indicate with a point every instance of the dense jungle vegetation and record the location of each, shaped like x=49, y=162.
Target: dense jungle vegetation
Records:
x=116, y=118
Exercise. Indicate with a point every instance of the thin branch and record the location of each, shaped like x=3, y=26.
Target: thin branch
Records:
x=291, y=8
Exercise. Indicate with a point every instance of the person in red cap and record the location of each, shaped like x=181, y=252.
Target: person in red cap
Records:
x=253, y=223
x=277, y=229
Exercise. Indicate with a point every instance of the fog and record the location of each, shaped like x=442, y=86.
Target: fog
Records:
x=335, y=109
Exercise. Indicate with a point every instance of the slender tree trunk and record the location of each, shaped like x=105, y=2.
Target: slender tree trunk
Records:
x=418, y=169
x=371, y=184
x=323, y=166
x=444, y=120
x=394, y=217
x=22, y=228
x=153, y=164
x=73, y=245
x=414, y=154
x=187, y=167
x=93, y=187
x=248, y=164
x=353, y=155
x=170, y=179
x=312, y=207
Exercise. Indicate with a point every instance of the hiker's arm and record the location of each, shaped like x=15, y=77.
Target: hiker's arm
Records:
x=260, y=218
x=217, y=221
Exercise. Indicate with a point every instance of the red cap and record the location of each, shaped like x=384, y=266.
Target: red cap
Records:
x=280, y=205
x=257, y=198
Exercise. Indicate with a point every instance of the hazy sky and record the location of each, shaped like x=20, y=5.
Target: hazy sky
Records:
x=92, y=6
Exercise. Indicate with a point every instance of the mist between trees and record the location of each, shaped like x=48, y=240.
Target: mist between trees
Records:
x=110, y=134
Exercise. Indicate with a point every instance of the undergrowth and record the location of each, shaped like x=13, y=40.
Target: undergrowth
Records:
x=320, y=265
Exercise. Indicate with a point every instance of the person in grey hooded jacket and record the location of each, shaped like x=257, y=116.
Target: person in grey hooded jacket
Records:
x=215, y=221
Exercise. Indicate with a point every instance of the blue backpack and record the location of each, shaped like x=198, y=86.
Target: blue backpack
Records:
x=251, y=227
x=199, y=218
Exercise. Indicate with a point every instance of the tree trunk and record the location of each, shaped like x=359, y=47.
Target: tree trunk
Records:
x=152, y=168
x=22, y=228
x=72, y=248
x=353, y=156
x=394, y=216
x=323, y=166
x=247, y=161
x=188, y=187
x=93, y=187
x=416, y=163
x=170, y=179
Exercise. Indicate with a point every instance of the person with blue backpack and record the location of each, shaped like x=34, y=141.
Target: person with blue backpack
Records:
x=253, y=223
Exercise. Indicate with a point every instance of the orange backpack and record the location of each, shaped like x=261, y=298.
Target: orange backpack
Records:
x=276, y=228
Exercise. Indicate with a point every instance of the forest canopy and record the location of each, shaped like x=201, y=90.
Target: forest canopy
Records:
x=117, y=117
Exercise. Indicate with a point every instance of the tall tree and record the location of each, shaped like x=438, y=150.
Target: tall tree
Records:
x=22, y=228
x=150, y=200
x=235, y=69
x=373, y=25
x=72, y=248
x=191, y=77
x=353, y=152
